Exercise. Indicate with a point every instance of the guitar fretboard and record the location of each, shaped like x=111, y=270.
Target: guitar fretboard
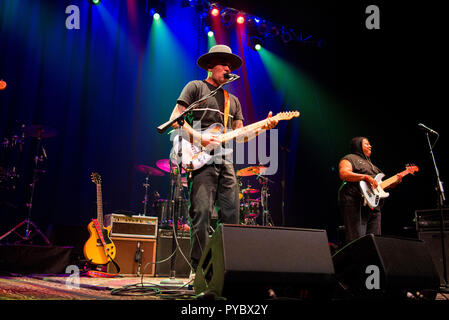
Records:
x=99, y=206
x=251, y=129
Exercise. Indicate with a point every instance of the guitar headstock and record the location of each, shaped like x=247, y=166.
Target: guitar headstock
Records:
x=411, y=168
x=96, y=178
x=287, y=115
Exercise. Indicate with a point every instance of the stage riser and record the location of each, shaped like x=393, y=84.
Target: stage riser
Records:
x=29, y=259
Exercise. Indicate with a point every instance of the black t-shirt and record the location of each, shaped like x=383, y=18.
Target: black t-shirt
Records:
x=350, y=191
x=211, y=110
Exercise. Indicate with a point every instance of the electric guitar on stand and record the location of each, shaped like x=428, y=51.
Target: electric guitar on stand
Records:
x=99, y=248
x=373, y=196
x=195, y=156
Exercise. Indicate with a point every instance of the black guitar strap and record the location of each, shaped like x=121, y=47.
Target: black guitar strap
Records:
x=117, y=267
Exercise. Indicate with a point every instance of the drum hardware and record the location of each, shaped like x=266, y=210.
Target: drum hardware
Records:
x=264, y=195
x=149, y=171
x=39, y=132
x=251, y=171
x=10, y=152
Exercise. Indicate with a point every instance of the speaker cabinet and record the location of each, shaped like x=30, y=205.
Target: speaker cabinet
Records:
x=126, y=256
x=432, y=240
x=252, y=261
x=165, y=249
x=385, y=267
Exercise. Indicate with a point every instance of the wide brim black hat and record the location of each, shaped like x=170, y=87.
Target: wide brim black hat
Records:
x=221, y=52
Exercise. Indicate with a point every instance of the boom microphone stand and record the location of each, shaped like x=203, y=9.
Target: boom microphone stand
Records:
x=441, y=199
x=175, y=207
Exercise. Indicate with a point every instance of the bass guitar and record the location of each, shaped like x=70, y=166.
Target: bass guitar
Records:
x=99, y=248
x=373, y=196
x=195, y=156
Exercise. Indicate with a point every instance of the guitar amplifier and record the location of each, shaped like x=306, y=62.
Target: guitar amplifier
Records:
x=430, y=220
x=131, y=226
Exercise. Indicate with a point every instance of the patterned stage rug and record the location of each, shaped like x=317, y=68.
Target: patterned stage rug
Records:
x=62, y=287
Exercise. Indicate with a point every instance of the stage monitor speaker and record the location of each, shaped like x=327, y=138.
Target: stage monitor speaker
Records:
x=255, y=261
x=382, y=267
x=432, y=239
x=126, y=256
x=165, y=249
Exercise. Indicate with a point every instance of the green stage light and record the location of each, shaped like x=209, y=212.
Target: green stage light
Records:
x=96, y=1
x=156, y=16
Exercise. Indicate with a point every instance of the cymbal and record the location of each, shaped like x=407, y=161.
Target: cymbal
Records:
x=249, y=190
x=251, y=171
x=149, y=170
x=40, y=131
x=165, y=164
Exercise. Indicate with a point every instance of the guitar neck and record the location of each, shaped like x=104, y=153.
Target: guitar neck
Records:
x=245, y=131
x=99, y=206
x=394, y=179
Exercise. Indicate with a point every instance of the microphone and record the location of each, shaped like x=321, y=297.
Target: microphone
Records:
x=427, y=129
x=231, y=76
x=138, y=255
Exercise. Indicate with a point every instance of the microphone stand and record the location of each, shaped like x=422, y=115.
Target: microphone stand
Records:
x=176, y=201
x=441, y=199
x=180, y=118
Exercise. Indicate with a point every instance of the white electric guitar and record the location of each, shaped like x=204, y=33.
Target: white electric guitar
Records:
x=373, y=196
x=194, y=155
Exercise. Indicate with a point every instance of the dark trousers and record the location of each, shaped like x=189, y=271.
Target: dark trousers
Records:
x=215, y=183
x=360, y=220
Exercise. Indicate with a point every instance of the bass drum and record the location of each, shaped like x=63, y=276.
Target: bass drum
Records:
x=249, y=211
x=164, y=212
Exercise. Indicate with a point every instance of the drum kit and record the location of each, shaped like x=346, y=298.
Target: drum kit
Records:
x=11, y=152
x=176, y=204
x=253, y=210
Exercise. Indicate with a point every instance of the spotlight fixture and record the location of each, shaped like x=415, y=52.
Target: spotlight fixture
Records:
x=95, y=2
x=226, y=17
x=215, y=12
x=158, y=9
x=286, y=36
x=240, y=19
x=256, y=43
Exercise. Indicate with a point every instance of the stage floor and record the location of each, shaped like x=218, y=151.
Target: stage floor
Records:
x=64, y=287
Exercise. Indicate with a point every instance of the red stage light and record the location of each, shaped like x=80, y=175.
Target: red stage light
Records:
x=240, y=19
x=215, y=12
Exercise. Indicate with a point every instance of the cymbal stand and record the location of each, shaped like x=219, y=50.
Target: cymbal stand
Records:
x=29, y=205
x=264, y=195
x=146, y=185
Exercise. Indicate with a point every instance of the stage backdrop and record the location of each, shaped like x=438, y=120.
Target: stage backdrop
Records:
x=103, y=89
